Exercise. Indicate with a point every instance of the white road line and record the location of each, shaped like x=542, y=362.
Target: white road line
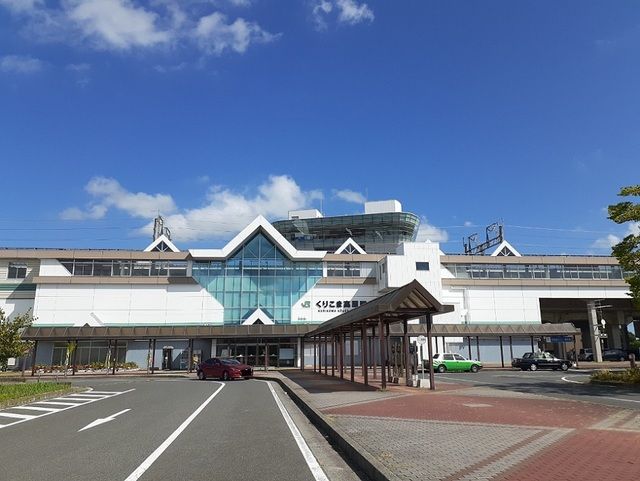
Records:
x=100, y=421
x=91, y=395
x=68, y=405
x=57, y=403
x=564, y=378
x=18, y=416
x=146, y=464
x=620, y=399
x=36, y=408
x=312, y=462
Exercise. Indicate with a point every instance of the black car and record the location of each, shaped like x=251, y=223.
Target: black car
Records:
x=532, y=361
x=615, y=355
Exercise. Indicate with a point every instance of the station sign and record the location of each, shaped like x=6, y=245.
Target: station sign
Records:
x=559, y=339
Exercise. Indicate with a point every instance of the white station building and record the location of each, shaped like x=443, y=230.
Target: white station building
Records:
x=257, y=297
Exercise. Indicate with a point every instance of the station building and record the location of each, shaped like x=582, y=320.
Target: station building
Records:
x=258, y=296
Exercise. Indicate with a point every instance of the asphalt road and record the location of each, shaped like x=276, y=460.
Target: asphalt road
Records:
x=564, y=385
x=240, y=434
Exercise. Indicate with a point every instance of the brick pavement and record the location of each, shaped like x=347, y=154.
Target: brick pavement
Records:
x=466, y=433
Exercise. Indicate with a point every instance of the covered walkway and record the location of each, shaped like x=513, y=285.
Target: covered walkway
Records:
x=371, y=324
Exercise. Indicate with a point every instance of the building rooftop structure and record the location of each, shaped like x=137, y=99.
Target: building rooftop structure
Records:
x=380, y=230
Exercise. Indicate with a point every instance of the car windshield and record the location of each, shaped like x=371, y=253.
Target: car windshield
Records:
x=229, y=361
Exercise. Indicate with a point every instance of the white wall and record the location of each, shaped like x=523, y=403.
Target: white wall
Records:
x=98, y=304
x=52, y=267
x=307, y=311
x=401, y=267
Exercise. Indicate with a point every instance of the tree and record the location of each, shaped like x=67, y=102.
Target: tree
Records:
x=11, y=342
x=627, y=250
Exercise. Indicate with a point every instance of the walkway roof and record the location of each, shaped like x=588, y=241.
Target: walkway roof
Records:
x=410, y=301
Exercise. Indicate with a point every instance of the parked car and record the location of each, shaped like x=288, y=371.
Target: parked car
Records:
x=443, y=362
x=533, y=361
x=615, y=355
x=585, y=355
x=225, y=369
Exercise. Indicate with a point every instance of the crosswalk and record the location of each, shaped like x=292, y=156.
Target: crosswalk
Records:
x=28, y=412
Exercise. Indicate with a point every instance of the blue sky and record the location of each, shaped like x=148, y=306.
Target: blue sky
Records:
x=213, y=111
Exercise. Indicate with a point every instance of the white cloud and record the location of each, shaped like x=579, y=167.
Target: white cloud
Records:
x=610, y=240
x=22, y=64
x=227, y=212
x=429, y=232
x=21, y=6
x=350, y=196
x=171, y=68
x=78, y=67
x=116, y=24
x=215, y=35
x=224, y=213
x=468, y=223
x=108, y=193
x=350, y=12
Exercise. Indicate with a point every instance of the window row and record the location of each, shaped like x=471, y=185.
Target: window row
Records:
x=138, y=268
x=534, y=271
x=17, y=270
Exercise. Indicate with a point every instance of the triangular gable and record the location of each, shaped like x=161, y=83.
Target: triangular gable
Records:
x=258, y=317
x=350, y=247
x=162, y=244
x=505, y=249
x=259, y=223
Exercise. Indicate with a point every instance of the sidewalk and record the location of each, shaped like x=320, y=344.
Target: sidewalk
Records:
x=472, y=433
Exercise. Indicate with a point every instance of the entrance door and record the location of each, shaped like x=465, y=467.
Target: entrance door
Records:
x=167, y=358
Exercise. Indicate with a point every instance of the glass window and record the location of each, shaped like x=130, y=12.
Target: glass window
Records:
x=83, y=268
x=141, y=268
x=121, y=268
x=422, y=266
x=102, y=268
x=448, y=357
x=159, y=268
x=68, y=265
x=17, y=270
x=178, y=268
x=458, y=357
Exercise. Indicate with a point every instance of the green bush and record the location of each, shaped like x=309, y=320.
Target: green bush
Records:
x=26, y=390
x=628, y=376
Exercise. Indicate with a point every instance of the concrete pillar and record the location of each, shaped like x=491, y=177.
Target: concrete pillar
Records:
x=594, y=331
x=300, y=356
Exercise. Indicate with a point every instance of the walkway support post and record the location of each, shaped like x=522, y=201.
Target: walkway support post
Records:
x=388, y=353
x=153, y=356
x=511, y=346
x=374, y=361
x=149, y=357
x=314, y=354
x=341, y=340
x=364, y=347
x=501, y=352
x=74, y=364
x=478, y=346
x=33, y=358
x=190, y=355
x=405, y=343
x=432, y=378
x=333, y=355
x=352, y=348
x=383, y=355
x=115, y=358
x=326, y=357
x=469, y=346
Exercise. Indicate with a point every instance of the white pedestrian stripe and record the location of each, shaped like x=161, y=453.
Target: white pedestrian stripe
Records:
x=62, y=403
x=17, y=416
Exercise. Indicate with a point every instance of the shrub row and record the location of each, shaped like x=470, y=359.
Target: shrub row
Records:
x=628, y=376
x=94, y=366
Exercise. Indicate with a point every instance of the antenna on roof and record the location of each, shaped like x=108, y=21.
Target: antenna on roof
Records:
x=494, y=235
x=159, y=228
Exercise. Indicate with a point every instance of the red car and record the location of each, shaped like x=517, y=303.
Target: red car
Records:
x=225, y=369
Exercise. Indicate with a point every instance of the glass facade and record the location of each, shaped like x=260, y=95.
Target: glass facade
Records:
x=258, y=275
x=375, y=233
x=534, y=271
x=137, y=268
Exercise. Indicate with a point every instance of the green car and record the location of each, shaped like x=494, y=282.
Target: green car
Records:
x=454, y=362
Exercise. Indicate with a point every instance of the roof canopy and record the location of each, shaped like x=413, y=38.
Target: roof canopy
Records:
x=410, y=301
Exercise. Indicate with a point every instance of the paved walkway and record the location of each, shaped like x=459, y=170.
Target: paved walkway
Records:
x=472, y=433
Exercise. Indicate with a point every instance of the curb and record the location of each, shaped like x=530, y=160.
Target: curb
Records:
x=374, y=470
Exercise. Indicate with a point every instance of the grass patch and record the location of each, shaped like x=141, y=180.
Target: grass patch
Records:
x=628, y=376
x=10, y=393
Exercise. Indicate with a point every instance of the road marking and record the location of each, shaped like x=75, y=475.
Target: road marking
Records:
x=310, y=459
x=100, y=421
x=146, y=464
x=564, y=378
x=63, y=402
x=35, y=408
x=18, y=416
x=462, y=380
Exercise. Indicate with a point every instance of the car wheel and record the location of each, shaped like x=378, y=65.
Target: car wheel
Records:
x=533, y=367
x=201, y=375
x=225, y=376
x=441, y=368
x=474, y=368
x=564, y=366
